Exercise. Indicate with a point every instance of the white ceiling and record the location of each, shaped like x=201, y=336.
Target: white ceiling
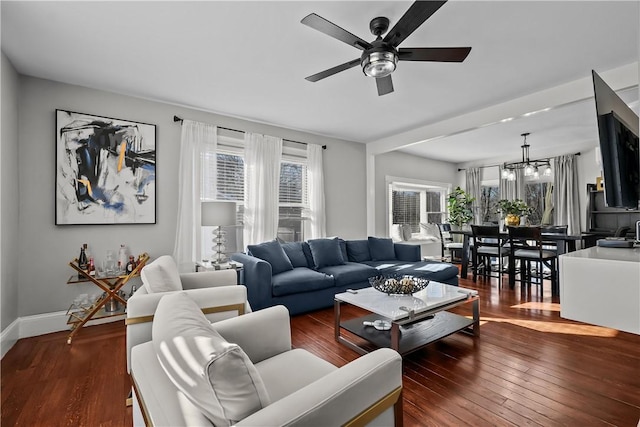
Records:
x=249, y=60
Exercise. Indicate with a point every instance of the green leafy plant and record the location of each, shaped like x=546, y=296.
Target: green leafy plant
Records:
x=459, y=206
x=513, y=207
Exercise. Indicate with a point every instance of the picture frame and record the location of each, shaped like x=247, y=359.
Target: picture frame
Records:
x=105, y=170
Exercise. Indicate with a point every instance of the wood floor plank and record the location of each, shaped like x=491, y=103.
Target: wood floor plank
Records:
x=529, y=367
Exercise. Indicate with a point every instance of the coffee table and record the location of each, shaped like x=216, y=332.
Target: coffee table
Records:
x=416, y=320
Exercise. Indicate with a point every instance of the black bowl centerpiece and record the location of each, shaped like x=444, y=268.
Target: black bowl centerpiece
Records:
x=398, y=284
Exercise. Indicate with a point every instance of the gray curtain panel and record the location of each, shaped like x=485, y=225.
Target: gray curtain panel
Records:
x=474, y=188
x=565, y=193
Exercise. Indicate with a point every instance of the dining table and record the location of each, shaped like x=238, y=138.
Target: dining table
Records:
x=565, y=243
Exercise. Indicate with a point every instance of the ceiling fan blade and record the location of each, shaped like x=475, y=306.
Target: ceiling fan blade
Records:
x=439, y=54
x=329, y=28
x=331, y=71
x=385, y=85
x=415, y=16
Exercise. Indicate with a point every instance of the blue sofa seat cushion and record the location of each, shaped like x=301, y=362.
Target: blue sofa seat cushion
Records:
x=273, y=253
x=381, y=249
x=433, y=270
x=358, y=250
x=295, y=253
x=350, y=272
x=326, y=252
x=299, y=280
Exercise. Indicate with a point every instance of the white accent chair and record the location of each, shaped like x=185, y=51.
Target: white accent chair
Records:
x=217, y=293
x=304, y=390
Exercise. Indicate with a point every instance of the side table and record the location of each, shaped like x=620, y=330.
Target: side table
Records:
x=110, y=285
x=209, y=266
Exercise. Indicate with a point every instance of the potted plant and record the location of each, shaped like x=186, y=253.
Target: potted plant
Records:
x=512, y=210
x=459, y=206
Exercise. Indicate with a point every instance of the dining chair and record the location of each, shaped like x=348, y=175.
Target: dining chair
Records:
x=447, y=244
x=527, y=247
x=487, y=245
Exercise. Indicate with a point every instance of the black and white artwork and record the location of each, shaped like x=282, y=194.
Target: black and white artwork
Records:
x=105, y=170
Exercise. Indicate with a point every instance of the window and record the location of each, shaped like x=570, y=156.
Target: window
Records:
x=535, y=198
x=488, y=203
x=414, y=203
x=228, y=184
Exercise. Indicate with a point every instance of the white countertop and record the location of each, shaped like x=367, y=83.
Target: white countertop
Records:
x=606, y=254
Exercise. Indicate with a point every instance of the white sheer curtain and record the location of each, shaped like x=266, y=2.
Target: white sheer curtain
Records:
x=262, y=156
x=195, y=136
x=316, y=226
x=474, y=188
x=565, y=193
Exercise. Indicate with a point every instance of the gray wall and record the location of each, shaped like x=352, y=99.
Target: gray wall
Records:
x=405, y=165
x=9, y=192
x=49, y=248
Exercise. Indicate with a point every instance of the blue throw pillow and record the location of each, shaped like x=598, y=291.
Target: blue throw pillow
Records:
x=381, y=249
x=358, y=250
x=273, y=253
x=295, y=253
x=326, y=252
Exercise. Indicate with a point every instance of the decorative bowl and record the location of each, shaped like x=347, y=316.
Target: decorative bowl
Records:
x=398, y=284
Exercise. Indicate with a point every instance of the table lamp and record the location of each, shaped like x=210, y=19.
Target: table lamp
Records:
x=218, y=214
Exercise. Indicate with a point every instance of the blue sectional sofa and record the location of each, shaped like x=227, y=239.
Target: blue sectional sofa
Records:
x=305, y=276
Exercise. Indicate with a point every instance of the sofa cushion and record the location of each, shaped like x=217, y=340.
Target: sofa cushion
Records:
x=381, y=249
x=295, y=253
x=161, y=275
x=298, y=280
x=216, y=376
x=326, y=252
x=432, y=270
x=350, y=272
x=358, y=250
x=343, y=249
x=395, y=232
x=273, y=253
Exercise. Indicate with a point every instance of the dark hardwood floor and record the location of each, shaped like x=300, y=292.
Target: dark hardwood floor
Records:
x=528, y=367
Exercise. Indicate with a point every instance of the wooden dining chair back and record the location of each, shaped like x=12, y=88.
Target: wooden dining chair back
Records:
x=527, y=247
x=487, y=245
x=448, y=245
x=552, y=245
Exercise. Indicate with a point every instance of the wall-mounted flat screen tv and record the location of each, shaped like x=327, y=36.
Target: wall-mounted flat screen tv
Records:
x=619, y=146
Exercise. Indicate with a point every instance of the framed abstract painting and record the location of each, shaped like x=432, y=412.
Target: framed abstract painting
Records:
x=105, y=170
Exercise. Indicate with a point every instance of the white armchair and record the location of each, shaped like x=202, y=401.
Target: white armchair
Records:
x=303, y=389
x=217, y=293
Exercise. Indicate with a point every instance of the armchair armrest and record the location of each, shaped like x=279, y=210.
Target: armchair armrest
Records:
x=360, y=391
x=217, y=304
x=261, y=334
x=257, y=278
x=406, y=252
x=209, y=279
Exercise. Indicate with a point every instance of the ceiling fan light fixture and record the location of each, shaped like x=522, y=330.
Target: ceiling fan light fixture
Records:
x=379, y=64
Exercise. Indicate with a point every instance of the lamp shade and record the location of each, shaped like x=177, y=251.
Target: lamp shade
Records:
x=218, y=213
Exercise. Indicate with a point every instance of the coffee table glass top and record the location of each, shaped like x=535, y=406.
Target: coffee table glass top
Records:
x=435, y=295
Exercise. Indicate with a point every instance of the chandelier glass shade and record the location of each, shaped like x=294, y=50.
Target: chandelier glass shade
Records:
x=532, y=168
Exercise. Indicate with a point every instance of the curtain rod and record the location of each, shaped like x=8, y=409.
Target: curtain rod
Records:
x=493, y=166
x=178, y=119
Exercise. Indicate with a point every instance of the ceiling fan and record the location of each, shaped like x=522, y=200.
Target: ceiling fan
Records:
x=380, y=57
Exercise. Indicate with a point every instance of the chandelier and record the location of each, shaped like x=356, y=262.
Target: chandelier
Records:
x=532, y=168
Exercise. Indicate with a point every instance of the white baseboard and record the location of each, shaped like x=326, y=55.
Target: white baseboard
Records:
x=40, y=324
x=9, y=337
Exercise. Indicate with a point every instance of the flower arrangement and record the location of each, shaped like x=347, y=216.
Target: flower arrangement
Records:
x=459, y=206
x=513, y=207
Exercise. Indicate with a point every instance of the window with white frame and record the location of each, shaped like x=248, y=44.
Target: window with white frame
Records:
x=414, y=202
x=223, y=179
x=489, y=197
x=535, y=192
